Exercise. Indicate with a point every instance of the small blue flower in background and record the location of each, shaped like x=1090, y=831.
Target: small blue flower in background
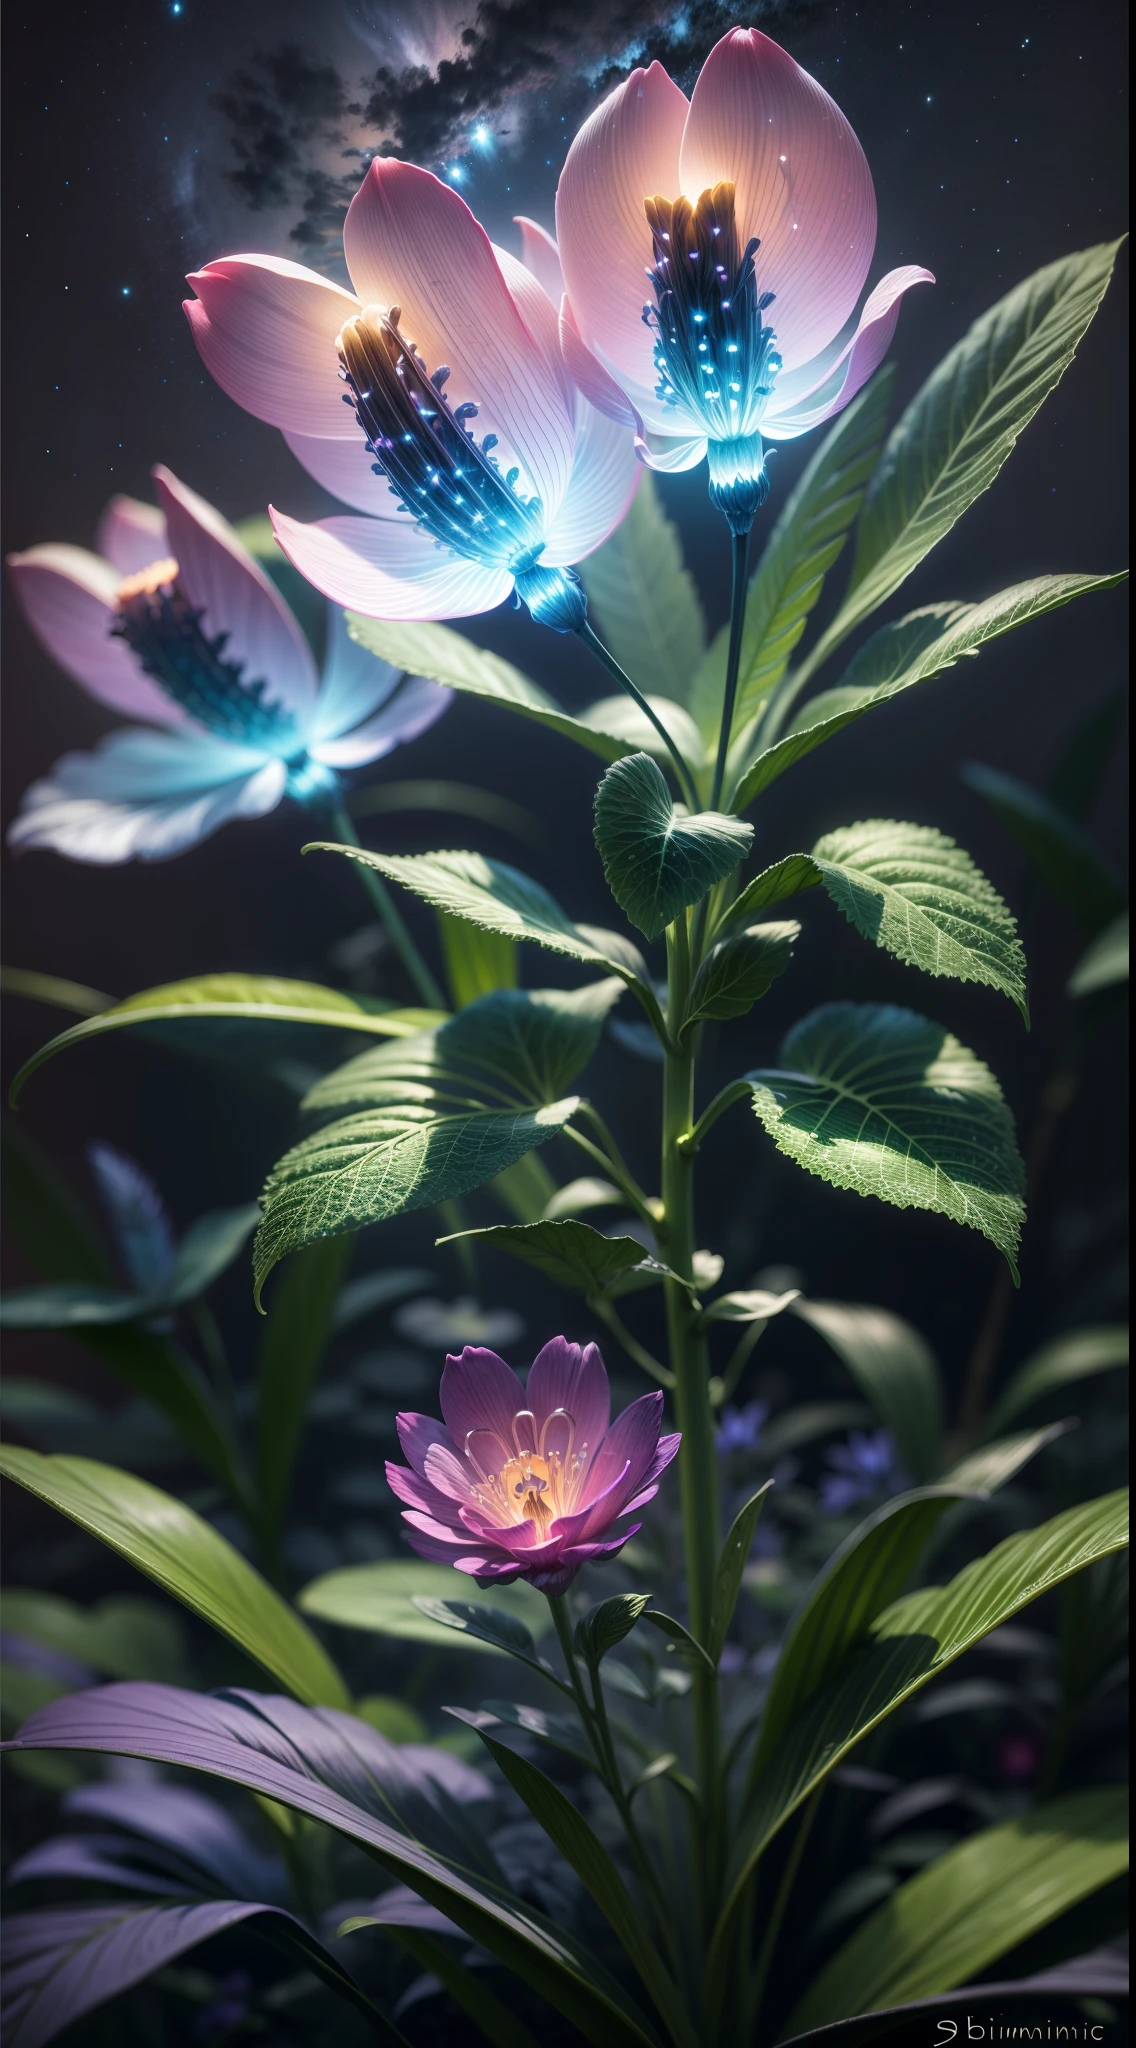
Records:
x=740, y=1428
x=140, y=1225
x=867, y=1467
x=175, y=622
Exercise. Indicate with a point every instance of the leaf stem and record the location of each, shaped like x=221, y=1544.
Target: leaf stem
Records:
x=781, y=1901
x=623, y=1180
x=607, y=1313
x=738, y=594
x=734, y=1091
x=389, y=914
x=591, y=640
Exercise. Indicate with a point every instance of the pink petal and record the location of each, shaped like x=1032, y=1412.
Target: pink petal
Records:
x=388, y=569
x=354, y=684
x=668, y=453
x=588, y=373
x=131, y=535
x=452, y=1477
x=346, y=469
x=68, y=596
x=595, y=1553
x=418, y=1493
x=861, y=357
x=631, y=1442
x=463, y=1557
x=598, y=1512
x=216, y=571
x=265, y=329
x=416, y=1433
x=801, y=178
x=668, y=1447
x=519, y=1538
x=541, y=315
x=605, y=478
x=480, y=1392
x=625, y=152
x=564, y=1376
x=486, y=1572
x=425, y=1524
x=415, y=707
x=540, y=254
x=411, y=241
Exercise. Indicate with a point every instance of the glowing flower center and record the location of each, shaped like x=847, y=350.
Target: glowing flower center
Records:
x=450, y=484
x=540, y=1481
x=713, y=352
x=164, y=631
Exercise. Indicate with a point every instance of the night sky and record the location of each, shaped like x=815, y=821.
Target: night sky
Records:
x=142, y=141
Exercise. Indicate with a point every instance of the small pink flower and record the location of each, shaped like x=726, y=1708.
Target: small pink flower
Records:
x=433, y=398
x=527, y=1482
x=746, y=218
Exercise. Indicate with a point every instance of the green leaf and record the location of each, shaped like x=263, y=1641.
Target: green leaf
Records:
x=738, y=971
x=123, y=1636
x=448, y=657
x=68, y=1305
x=578, y=1196
x=565, y=1825
x=165, y=1375
x=260, y=998
x=975, y=1903
x=1067, y=860
x=605, y=1625
x=559, y=1730
x=188, y=1559
x=477, y=962
x=495, y=2022
x=295, y=1337
x=863, y=1577
x=658, y=859
x=804, y=544
x=958, y=430
x=380, y=1599
x=571, y=1253
x=912, y=1641
x=623, y=717
x=749, y=1305
x=903, y=654
x=456, y=799
x=650, y=613
x=1104, y=962
x=684, y=1641
x=207, y=1250
x=785, y=878
x=919, y=896
x=482, y=1625
x=394, y=1718
x=523, y=1189
x=894, y=1367
x=731, y=1565
x=881, y=1101
x=1068, y=1358
x=991, y=1465
x=369, y=1167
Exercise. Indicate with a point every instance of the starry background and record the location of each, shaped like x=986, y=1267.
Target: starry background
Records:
x=142, y=140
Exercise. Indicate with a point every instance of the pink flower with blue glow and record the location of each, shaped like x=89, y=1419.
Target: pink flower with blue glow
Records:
x=433, y=398
x=528, y=1482
x=746, y=218
x=174, y=622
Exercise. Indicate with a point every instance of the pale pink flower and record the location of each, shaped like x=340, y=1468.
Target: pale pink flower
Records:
x=433, y=398
x=528, y=1481
x=175, y=623
x=745, y=218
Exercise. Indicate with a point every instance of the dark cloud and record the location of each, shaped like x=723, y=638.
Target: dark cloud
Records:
x=291, y=119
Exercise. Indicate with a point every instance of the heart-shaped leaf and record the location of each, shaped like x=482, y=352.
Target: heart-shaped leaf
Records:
x=568, y=1251
x=605, y=1625
x=739, y=970
x=657, y=858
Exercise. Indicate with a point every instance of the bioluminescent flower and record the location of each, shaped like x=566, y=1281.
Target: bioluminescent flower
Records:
x=528, y=1481
x=174, y=622
x=746, y=218
x=138, y=1217
x=434, y=399
x=867, y=1467
x=739, y=1429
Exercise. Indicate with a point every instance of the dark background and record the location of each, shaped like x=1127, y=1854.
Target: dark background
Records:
x=142, y=141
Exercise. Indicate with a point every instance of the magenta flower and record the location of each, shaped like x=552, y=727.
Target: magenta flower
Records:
x=174, y=622
x=377, y=390
x=750, y=212
x=527, y=1481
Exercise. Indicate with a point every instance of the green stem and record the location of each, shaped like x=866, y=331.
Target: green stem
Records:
x=623, y=1181
x=697, y=1458
x=733, y=661
x=592, y=640
x=734, y=1091
x=773, y=1924
x=643, y=1358
x=389, y=914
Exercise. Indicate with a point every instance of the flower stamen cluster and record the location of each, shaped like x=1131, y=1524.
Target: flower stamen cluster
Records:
x=165, y=632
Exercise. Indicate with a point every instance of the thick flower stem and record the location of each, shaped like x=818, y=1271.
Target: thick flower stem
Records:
x=697, y=1458
x=390, y=916
x=738, y=593
x=591, y=639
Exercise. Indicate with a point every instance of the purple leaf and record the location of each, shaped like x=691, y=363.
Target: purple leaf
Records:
x=98, y=1859
x=196, y=1828
x=339, y=1771
x=61, y=1964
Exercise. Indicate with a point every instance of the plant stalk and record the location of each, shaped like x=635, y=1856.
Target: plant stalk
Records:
x=591, y=640
x=390, y=917
x=738, y=595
